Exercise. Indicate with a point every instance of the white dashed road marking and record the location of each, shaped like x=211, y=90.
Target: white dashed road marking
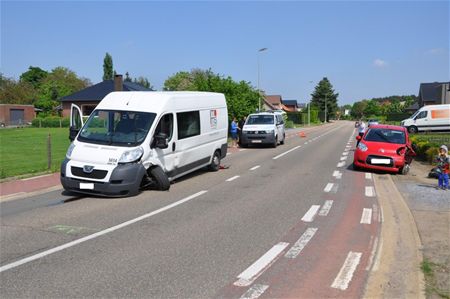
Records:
x=366, y=217
x=368, y=175
x=309, y=216
x=286, y=152
x=326, y=208
x=345, y=275
x=232, y=178
x=255, y=291
x=370, y=191
x=337, y=174
x=301, y=243
x=340, y=164
x=328, y=187
x=255, y=167
x=247, y=277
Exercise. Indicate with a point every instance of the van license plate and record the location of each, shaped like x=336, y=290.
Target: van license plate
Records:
x=256, y=141
x=381, y=161
x=89, y=186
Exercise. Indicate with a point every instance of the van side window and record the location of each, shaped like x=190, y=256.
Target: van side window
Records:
x=165, y=126
x=422, y=114
x=188, y=124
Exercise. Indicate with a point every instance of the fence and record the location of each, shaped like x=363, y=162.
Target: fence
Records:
x=32, y=150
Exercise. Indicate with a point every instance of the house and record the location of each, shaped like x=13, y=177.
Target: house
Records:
x=88, y=98
x=272, y=102
x=290, y=105
x=434, y=93
x=16, y=115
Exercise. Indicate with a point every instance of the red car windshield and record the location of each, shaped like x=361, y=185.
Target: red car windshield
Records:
x=385, y=135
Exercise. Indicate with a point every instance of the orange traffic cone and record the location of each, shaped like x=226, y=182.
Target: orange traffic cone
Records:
x=302, y=134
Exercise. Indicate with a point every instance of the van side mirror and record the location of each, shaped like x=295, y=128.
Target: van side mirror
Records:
x=73, y=132
x=358, y=137
x=161, y=141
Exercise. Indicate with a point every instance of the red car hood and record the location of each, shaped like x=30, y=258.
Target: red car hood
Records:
x=382, y=148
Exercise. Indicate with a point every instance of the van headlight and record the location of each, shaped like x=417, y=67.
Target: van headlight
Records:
x=269, y=131
x=132, y=155
x=70, y=150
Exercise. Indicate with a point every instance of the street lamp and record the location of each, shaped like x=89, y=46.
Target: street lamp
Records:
x=325, y=108
x=259, y=92
x=309, y=110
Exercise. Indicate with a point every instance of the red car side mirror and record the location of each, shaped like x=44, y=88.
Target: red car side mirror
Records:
x=358, y=137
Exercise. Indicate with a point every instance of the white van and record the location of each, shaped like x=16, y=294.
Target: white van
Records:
x=429, y=118
x=263, y=128
x=134, y=140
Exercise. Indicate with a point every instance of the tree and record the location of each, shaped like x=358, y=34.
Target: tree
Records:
x=108, y=67
x=127, y=77
x=324, y=98
x=372, y=108
x=358, y=109
x=144, y=82
x=241, y=97
x=13, y=92
x=34, y=76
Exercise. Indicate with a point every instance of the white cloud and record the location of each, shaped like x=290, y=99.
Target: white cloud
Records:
x=379, y=63
x=435, y=51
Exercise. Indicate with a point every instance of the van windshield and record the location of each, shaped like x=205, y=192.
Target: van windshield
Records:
x=260, y=120
x=120, y=128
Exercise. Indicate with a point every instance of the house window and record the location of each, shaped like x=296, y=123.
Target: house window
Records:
x=188, y=124
x=87, y=109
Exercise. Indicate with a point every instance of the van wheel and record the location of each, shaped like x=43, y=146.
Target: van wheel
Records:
x=215, y=162
x=412, y=129
x=161, y=180
x=275, y=143
x=282, y=141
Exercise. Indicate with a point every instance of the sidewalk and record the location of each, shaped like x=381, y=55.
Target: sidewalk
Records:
x=15, y=188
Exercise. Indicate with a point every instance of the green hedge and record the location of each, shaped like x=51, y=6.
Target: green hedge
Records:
x=397, y=116
x=51, y=122
x=427, y=146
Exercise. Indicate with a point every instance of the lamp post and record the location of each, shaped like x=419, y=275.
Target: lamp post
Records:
x=309, y=110
x=259, y=92
x=325, y=108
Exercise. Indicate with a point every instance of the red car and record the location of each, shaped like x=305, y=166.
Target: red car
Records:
x=385, y=148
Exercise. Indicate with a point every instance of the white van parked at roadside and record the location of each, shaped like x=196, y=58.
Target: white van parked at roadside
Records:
x=263, y=128
x=429, y=118
x=134, y=140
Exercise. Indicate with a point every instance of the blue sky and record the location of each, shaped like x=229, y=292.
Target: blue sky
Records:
x=366, y=49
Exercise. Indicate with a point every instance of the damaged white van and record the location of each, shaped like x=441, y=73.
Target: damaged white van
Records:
x=135, y=140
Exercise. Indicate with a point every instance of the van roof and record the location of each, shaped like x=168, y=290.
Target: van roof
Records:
x=161, y=101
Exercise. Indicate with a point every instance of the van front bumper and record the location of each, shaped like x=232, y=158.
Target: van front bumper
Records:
x=257, y=138
x=125, y=180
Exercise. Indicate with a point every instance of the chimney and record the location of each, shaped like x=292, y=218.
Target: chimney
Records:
x=118, y=83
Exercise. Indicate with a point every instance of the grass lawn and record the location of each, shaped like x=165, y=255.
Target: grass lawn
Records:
x=24, y=150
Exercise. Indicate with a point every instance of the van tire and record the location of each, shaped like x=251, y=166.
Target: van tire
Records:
x=161, y=180
x=275, y=143
x=282, y=141
x=412, y=129
x=215, y=162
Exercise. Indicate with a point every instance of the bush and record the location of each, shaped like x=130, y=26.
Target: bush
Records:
x=289, y=124
x=51, y=122
x=431, y=153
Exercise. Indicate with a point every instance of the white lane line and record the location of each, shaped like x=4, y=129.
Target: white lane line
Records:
x=345, y=153
x=370, y=191
x=247, y=277
x=345, y=275
x=309, y=216
x=368, y=175
x=372, y=254
x=337, y=174
x=232, y=178
x=340, y=164
x=366, y=217
x=326, y=208
x=242, y=149
x=229, y=153
x=301, y=243
x=255, y=291
x=100, y=233
x=287, y=152
x=343, y=158
x=255, y=167
x=328, y=187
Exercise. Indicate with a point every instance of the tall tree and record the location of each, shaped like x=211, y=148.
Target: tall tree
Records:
x=16, y=92
x=324, y=98
x=127, y=77
x=108, y=72
x=34, y=76
x=144, y=82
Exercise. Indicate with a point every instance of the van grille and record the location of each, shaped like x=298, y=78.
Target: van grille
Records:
x=95, y=174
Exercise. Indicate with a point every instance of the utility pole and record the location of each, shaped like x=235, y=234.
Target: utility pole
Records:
x=325, y=108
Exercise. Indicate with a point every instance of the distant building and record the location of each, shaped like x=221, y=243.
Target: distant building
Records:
x=16, y=115
x=434, y=93
x=272, y=102
x=290, y=105
x=88, y=98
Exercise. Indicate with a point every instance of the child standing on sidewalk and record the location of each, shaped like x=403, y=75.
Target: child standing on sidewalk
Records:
x=443, y=165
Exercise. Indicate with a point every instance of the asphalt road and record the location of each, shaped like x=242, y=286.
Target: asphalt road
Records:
x=294, y=221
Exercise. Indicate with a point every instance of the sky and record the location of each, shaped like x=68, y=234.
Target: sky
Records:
x=365, y=48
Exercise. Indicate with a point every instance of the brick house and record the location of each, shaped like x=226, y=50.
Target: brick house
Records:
x=14, y=115
x=88, y=98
